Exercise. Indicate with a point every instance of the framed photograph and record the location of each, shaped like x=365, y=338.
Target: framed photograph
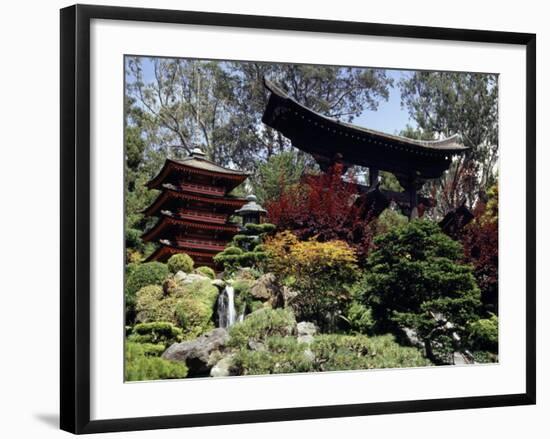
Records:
x=273, y=218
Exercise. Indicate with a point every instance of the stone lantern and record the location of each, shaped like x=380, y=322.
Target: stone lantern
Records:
x=251, y=212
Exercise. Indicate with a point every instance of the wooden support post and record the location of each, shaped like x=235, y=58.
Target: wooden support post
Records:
x=373, y=177
x=413, y=201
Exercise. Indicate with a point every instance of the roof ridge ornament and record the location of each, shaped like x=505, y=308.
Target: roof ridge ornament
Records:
x=198, y=153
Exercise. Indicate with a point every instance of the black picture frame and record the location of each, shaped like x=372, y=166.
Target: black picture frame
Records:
x=75, y=217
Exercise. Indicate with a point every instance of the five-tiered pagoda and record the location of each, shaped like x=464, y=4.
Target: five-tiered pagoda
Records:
x=193, y=208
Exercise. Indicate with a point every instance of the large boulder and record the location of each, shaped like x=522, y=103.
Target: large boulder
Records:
x=200, y=354
x=267, y=288
x=223, y=368
x=183, y=278
x=218, y=283
x=306, y=331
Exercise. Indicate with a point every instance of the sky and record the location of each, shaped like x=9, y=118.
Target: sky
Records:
x=389, y=117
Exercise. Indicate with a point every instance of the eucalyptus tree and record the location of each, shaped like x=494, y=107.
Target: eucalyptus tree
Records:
x=447, y=103
x=218, y=105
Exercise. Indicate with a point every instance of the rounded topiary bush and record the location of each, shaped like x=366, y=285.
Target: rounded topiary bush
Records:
x=231, y=250
x=141, y=275
x=158, y=333
x=206, y=271
x=153, y=305
x=180, y=262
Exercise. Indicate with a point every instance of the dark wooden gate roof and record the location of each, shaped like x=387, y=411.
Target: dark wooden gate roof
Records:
x=327, y=138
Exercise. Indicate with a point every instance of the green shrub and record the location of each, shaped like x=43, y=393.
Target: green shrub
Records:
x=242, y=288
x=180, y=262
x=261, y=324
x=130, y=268
x=206, y=271
x=415, y=279
x=232, y=250
x=143, y=364
x=133, y=239
x=485, y=357
x=239, y=240
x=139, y=276
x=164, y=333
x=388, y=220
x=344, y=352
x=189, y=306
x=245, y=249
x=483, y=334
x=328, y=352
x=151, y=349
x=359, y=318
x=152, y=305
x=321, y=272
x=281, y=355
x=195, y=308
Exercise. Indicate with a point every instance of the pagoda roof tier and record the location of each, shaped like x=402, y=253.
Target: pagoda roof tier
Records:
x=186, y=245
x=328, y=139
x=197, y=164
x=226, y=204
x=168, y=220
x=164, y=252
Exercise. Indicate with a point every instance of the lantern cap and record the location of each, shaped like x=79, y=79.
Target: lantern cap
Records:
x=251, y=207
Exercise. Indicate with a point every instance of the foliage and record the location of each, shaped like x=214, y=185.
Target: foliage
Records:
x=322, y=273
x=244, y=301
x=142, y=364
x=280, y=355
x=345, y=352
x=277, y=174
x=153, y=305
x=180, y=262
x=245, y=250
x=483, y=334
x=480, y=241
x=133, y=240
x=195, y=309
x=447, y=103
x=326, y=353
x=218, y=106
x=485, y=357
x=131, y=267
x=326, y=207
x=189, y=306
x=139, y=276
x=415, y=280
x=261, y=324
x=388, y=220
x=359, y=317
x=491, y=209
x=158, y=333
x=206, y=271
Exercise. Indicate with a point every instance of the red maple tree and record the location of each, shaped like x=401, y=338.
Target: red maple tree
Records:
x=325, y=206
x=480, y=241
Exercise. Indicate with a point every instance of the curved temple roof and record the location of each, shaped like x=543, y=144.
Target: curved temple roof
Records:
x=325, y=136
x=197, y=163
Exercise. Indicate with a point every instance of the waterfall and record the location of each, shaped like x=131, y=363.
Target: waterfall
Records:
x=227, y=315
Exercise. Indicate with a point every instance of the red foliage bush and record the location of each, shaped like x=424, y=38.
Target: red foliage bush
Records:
x=324, y=206
x=480, y=241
